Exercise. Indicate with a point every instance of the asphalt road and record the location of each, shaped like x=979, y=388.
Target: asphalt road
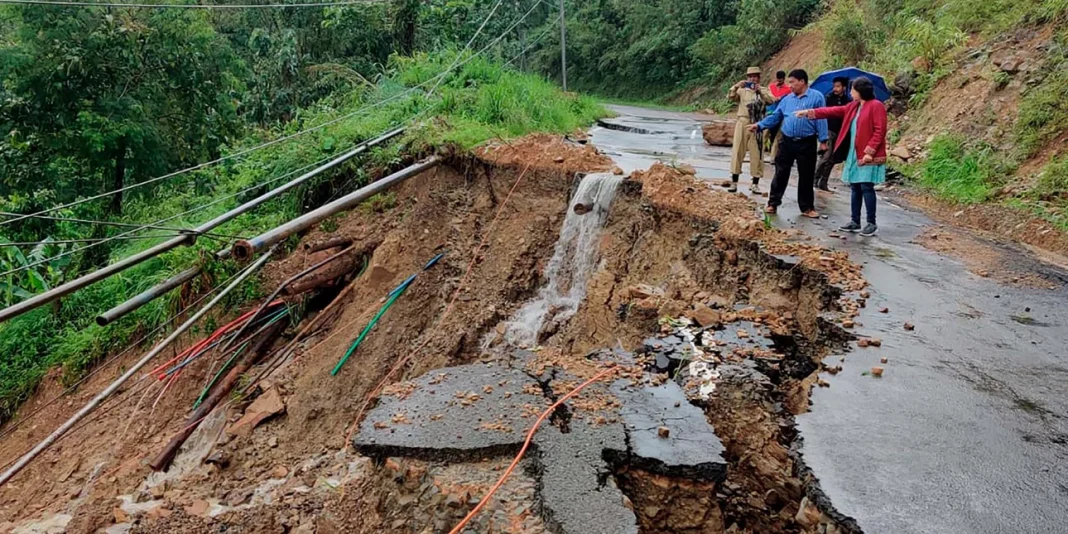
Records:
x=967, y=431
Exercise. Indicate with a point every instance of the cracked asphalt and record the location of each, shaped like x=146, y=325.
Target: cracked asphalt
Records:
x=967, y=431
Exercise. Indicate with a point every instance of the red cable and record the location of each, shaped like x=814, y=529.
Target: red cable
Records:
x=226, y=329
x=526, y=444
x=444, y=315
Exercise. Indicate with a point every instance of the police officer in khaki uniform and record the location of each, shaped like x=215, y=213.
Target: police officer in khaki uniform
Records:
x=746, y=92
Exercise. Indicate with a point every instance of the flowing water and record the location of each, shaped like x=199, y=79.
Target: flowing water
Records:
x=572, y=263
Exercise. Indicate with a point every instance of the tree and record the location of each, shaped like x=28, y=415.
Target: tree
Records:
x=113, y=96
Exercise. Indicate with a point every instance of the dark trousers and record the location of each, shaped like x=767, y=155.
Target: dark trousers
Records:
x=803, y=152
x=863, y=192
x=826, y=162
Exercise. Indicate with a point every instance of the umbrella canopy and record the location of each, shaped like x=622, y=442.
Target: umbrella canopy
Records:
x=825, y=82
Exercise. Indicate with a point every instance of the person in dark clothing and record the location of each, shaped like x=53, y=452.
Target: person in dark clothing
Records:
x=839, y=96
x=798, y=142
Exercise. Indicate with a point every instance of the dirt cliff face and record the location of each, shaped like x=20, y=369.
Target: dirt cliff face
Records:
x=671, y=249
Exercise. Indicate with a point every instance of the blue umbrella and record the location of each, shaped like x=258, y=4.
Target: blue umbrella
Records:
x=825, y=82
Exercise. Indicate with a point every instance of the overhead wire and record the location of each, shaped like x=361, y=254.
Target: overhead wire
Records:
x=115, y=223
x=229, y=283
x=170, y=218
x=217, y=160
x=522, y=451
x=71, y=3
x=114, y=386
x=83, y=240
x=436, y=79
x=468, y=45
x=97, y=369
x=444, y=73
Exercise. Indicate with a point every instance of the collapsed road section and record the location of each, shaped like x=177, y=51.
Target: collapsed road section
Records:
x=712, y=323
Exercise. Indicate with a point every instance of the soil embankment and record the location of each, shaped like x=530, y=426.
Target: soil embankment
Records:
x=676, y=259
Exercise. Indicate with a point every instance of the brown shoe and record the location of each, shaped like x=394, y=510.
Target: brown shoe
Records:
x=771, y=210
x=811, y=214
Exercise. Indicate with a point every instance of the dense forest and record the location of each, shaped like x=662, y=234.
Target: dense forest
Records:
x=95, y=100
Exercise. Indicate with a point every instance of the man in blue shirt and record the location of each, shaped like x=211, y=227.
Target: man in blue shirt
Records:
x=801, y=138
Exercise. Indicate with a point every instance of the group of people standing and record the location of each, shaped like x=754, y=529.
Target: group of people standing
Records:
x=809, y=130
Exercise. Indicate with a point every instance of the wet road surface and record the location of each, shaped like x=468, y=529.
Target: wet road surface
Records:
x=967, y=431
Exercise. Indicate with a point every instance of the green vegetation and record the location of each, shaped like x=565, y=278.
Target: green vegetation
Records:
x=922, y=40
x=479, y=101
x=957, y=172
x=759, y=29
x=1043, y=110
x=640, y=51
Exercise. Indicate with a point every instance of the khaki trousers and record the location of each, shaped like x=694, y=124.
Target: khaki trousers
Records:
x=746, y=141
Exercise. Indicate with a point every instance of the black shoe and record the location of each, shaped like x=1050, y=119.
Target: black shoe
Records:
x=869, y=230
x=851, y=227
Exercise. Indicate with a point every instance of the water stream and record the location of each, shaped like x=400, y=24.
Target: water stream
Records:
x=573, y=260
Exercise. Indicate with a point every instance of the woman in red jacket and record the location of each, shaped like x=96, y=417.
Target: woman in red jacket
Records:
x=865, y=163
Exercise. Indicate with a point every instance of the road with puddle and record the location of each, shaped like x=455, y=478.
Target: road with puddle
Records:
x=967, y=430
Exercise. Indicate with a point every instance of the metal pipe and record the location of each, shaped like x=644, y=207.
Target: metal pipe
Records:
x=114, y=386
x=290, y=280
x=263, y=342
x=147, y=296
x=245, y=248
x=91, y=278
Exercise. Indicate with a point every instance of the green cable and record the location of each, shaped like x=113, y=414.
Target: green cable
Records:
x=393, y=298
x=203, y=394
x=226, y=365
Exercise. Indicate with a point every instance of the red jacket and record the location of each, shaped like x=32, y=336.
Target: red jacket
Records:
x=871, y=127
x=776, y=91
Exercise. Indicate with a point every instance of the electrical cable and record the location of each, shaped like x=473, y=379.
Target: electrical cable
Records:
x=444, y=315
x=85, y=240
x=115, y=223
x=14, y=426
x=526, y=444
x=468, y=45
x=217, y=160
x=536, y=41
x=172, y=217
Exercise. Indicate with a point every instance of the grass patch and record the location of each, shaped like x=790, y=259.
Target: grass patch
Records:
x=482, y=100
x=956, y=172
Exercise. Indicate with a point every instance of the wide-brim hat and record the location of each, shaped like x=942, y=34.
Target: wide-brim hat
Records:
x=753, y=70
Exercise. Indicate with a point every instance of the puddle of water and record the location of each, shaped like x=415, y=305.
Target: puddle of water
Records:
x=572, y=263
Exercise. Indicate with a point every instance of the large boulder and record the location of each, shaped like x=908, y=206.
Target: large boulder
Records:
x=719, y=132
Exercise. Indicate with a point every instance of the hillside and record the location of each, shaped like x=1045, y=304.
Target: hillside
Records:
x=978, y=124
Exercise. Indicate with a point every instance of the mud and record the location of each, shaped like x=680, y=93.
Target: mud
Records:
x=671, y=248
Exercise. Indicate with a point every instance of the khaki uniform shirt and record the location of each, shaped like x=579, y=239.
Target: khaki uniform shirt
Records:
x=744, y=96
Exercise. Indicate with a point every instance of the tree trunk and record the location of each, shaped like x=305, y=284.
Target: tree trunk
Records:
x=119, y=179
x=404, y=25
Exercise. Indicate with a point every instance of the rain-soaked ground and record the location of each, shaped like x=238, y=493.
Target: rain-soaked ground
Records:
x=967, y=431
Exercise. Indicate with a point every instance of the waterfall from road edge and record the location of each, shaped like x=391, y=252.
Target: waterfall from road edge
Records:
x=572, y=263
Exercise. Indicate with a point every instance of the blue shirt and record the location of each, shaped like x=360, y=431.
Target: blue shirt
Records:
x=793, y=126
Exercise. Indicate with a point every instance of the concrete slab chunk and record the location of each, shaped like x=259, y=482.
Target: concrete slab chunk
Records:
x=471, y=412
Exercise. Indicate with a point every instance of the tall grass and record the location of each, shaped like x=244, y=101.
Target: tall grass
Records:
x=956, y=172
x=480, y=101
